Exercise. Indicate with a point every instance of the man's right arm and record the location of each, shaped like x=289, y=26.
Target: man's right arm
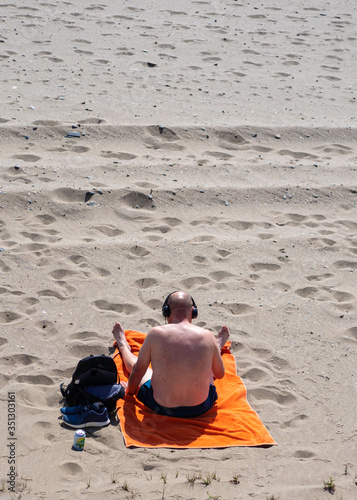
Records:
x=140, y=367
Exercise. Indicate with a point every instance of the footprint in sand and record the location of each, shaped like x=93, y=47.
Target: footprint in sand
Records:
x=120, y=155
x=163, y=133
x=9, y=317
x=199, y=259
x=304, y=454
x=221, y=276
x=68, y=195
x=3, y=341
x=235, y=308
x=40, y=396
x=189, y=283
x=35, y=379
x=6, y=290
x=139, y=251
x=345, y=264
x=59, y=274
x=352, y=332
x=46, y=219
x=201, y=238
x=307, y=292
x=109, y=230
x=342, y=301
x=85, y=336
x=204, y=222
x=137, y=200
x=70, y=470
x=38, y=237
x=347, y=223
x=260, y=266
x=298, y=155
x=319, y=277
x=27, y=158
x=224, y=253
x=230, y=137
x=144, y=283
x=218, y=154
x=79, y=260
x=79, y=351
x=265, y=236
x=239, y=225
x=126, y=309
x=4, y=267
x=41, y=427
x=254, y=375
x=154, y=304
x=294, y=422
x=28, y=305
x=236, y=346
x=282, y=397
x=46, y=123
x=18, y=360
x=273, y=360
x=160, y=229
x=46, y=327
x=280, y=286
x=102, y=273
x=343, y=296
x=51, y=293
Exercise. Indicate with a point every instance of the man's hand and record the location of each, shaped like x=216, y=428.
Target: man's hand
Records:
x=125, y=385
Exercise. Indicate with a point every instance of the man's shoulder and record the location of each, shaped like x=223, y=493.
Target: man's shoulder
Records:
x=203, y=331
x=156, y=330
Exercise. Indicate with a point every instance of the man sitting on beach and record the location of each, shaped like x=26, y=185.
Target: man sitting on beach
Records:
x=184, y=358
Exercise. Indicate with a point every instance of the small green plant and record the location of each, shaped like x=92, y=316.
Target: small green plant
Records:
x=114, y=478
x=132, y=492
x=330, y=485
x=206, y=480
x=88, y=484
x=346, y=470
x=164, y=477
x=23, y=484
x=235, y=479
x=213, y=497
x=125, y=486
x=192, y=479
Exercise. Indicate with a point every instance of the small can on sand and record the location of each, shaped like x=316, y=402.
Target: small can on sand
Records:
x=79, y=439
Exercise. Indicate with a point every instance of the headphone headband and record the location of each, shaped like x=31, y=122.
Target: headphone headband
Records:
x=166, y=308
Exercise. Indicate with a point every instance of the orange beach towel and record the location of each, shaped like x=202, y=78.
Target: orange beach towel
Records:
x=230, y=422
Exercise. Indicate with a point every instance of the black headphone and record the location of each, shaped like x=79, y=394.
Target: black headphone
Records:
x=166, y=308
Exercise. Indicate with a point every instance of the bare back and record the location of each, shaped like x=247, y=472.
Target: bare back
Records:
x=182, y=357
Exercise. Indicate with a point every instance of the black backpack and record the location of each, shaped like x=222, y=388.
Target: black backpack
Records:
x=95, y=379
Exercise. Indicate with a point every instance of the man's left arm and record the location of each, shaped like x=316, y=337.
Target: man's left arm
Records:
x=217, y=362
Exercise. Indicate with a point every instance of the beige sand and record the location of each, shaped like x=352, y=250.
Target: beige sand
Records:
x=228, y=169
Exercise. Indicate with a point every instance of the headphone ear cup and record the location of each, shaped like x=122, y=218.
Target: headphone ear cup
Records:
x=166, y=311
x=194, y=312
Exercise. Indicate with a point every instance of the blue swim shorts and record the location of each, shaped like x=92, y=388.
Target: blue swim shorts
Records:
x=146, y=396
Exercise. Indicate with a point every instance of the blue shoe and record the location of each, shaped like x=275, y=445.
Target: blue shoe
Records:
x=72, y=410
x=93, y=415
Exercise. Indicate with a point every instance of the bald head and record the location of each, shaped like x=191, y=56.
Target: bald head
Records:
x=180, y=305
